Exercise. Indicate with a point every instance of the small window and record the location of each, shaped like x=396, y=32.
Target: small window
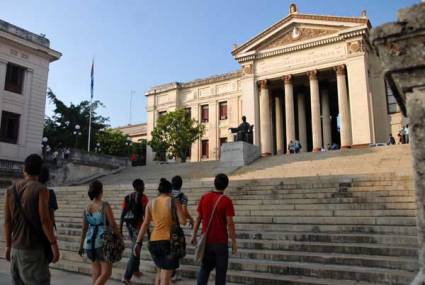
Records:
x=223, y=110
x=161, y=113
x=188, y=112
x=204, y=149
x=9, y=127
x=204, y=114
x=189, y=152
x=14, y=78
x=223, y=141
x=392, y=104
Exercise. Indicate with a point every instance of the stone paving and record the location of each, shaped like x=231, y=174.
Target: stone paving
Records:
x=58, y=277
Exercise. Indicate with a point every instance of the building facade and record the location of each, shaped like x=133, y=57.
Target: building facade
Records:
x=24, y=68
x=136, y=132
x=311, y=78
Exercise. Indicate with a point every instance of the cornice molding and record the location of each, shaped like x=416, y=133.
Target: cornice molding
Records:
x=197, y=82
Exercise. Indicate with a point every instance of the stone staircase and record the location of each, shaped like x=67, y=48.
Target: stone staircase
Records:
x=385, y=159
x=335, y=230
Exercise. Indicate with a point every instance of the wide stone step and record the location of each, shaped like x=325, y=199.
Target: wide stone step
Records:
x=276, y=201
x=325, y=207
x=396, y=262
x=360, y=221
x=243, y=277
x=69, y=212
x=343, y=248
x=349, y=228
x=327, y=271
x=304, y=236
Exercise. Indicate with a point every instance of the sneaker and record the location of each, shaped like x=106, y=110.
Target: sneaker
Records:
x=125, y=281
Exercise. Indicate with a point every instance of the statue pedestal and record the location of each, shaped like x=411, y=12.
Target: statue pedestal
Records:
x=239, y=153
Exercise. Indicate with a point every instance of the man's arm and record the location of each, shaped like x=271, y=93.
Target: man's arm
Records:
x=7, y=226
x=232, y=233
x=123, y=213
x=195, y=229
x=46, y=222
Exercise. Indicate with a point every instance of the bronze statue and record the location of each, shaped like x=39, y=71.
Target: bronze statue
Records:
x=244, y=131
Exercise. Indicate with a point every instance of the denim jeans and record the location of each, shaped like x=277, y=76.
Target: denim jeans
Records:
x=134, y=261
x=216, y=256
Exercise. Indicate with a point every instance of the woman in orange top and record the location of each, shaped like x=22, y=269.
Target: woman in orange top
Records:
x=158, y=211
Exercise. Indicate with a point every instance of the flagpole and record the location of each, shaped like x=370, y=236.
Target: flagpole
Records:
x=91, y=103
x=88, y=143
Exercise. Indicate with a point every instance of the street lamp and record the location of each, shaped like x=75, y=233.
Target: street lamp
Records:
x=128, y=144
x=77, y=133
x=44, y=141
x=97, y=147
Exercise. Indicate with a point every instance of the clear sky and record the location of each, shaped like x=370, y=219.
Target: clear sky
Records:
x=141, y=43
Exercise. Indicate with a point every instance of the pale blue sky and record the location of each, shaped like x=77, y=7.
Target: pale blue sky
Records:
x=141, y=43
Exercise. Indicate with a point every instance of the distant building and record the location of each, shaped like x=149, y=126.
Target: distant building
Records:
x=136, y=132
x=24, y=69
x=312, y=78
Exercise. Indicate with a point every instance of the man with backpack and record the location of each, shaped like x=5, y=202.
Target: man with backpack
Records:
x=176, y=193
x=133, y=212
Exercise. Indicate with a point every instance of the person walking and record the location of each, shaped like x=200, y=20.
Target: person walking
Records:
x=91, y=243
x=406, y=134
x=176, y=193
x=30, y=241
x=53, y=203
x=159, y=212
x=133, y=212
x=220, y=226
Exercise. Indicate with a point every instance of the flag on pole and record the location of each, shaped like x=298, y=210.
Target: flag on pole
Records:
x=92, y=79
x=91, y=103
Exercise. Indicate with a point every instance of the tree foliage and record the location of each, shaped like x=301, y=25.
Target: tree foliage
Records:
x=60, y=126
x=113, y=142
x=174, y=134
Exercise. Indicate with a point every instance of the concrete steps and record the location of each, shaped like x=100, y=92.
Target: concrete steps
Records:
x=358, y=229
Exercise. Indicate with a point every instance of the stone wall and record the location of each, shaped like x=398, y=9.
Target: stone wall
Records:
x=400, y=47
x=82, y=167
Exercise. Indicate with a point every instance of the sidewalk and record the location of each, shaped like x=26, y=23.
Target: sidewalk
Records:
x=58, y=277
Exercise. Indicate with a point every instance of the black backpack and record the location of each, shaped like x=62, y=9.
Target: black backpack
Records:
x=134, y=211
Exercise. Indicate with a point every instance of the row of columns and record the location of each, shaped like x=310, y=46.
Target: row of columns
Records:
x=318, y=118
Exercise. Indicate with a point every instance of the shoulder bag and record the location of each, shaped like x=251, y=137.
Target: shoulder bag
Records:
x=202, y=243
x=113, y=246
x=177, y=237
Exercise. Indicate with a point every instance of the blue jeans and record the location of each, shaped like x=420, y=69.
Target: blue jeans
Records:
x=216, y=256
x=134, y=261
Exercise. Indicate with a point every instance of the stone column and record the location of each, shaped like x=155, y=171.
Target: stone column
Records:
x=302, y=126
x=265, y=121
x=289, y=109
x=3, y=69
x=315, y=111
x=279, y=126
x=343, y=107
x=326, y=119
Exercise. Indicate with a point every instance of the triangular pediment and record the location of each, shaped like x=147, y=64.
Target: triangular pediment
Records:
x=299, y=28
x=295, y=33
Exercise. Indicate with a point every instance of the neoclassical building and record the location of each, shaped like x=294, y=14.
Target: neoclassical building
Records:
x=311, y=78
x=24, y=67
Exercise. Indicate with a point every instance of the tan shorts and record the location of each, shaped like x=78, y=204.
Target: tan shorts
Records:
x=29, y=267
